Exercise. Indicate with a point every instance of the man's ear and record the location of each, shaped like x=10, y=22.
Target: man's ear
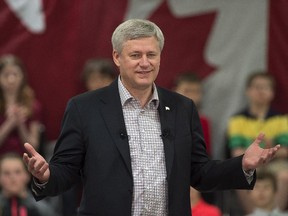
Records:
x=116, y=56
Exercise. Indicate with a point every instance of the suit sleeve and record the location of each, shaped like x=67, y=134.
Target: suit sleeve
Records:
x=66, y=163
x=209, y=175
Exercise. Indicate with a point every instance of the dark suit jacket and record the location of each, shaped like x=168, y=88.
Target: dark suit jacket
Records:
x=93, y=145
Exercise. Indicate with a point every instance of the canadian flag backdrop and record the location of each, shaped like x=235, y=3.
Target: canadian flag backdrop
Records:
x=221, y=40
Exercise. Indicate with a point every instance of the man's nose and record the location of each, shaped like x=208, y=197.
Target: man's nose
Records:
x=144, y=61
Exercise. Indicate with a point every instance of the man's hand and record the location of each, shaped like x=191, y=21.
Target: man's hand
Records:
x=36, y=164
x=255, y=156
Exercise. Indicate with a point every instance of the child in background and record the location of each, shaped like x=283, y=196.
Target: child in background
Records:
x=98, y=73
x=190, y=85
x=201, y=208
x=260, y=117
x=15, y=197
x=263, y=195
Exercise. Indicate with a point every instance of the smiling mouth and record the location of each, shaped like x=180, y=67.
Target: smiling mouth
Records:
x=143, y=72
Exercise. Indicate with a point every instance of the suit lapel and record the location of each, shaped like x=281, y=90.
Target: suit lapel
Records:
x=111, y=110
x=113, y=116
x=167, y=113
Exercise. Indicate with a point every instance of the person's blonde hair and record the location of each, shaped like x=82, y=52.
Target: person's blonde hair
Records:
x=25, y=95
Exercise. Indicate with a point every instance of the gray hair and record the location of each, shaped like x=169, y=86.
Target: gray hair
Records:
x=134, y=29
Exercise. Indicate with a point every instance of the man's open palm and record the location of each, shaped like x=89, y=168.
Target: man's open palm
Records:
x=255, y=156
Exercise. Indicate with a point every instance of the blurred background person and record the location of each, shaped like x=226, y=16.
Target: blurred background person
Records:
x=201, y=208
x=190, y=85
x=260, y=117
x=15, y=196
x=263, y=195
x=20, y=112
x=98, y=73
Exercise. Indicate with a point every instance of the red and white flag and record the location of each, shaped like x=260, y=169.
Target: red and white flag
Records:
x=223, y=41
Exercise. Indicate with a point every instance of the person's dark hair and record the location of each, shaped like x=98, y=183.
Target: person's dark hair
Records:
x=261, y=74
x=103, y=66
x=264, y=174
x=187, y=76
x=26, y=94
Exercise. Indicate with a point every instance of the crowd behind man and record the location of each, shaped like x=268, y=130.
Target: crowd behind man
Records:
x=21, y=122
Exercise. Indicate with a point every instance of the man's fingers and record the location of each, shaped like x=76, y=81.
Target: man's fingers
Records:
x=26, y=158
x=259, y=138
x=43, y=168
x=31, y=164
x=31, y=151
x=268, y=154
x=273, y=151
x=38, y=166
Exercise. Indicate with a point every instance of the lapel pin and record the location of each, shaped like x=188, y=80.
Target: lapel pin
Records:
x=167, y=108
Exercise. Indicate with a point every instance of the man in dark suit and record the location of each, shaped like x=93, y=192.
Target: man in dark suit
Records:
x=136, y=146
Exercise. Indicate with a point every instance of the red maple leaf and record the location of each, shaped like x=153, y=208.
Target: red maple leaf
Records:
x=185, y=43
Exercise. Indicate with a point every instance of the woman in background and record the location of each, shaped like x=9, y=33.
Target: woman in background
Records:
x=19, y=111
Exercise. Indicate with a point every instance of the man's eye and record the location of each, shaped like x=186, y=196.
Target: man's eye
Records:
x=151, y=55
x=135, y=55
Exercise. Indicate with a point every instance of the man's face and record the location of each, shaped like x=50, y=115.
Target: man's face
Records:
x=138, y=63
x=13, y=176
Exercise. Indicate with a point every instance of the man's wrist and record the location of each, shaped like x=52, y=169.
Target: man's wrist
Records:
x=249, y=172
x=39, y=184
